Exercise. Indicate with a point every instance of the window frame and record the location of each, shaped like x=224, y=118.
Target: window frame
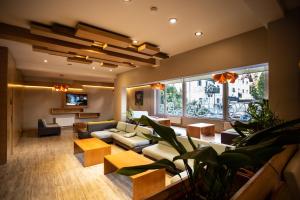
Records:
x=225, y=89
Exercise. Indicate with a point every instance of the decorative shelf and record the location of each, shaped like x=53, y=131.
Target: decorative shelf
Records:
x=88, y=115
x=62, y=111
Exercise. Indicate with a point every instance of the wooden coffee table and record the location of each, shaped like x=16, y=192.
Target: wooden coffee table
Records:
x=195, y=130
x=162, y=121
x=143, y=184
x=93, y=150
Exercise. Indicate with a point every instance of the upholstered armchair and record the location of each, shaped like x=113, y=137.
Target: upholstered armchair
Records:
x=45, y=129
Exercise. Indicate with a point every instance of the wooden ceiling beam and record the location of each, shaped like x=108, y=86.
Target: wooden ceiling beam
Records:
x=63, y=54
x=52, y=52
x=161, y=56
x=46, y=31
x=127, y=51
x=19, y=34
x=108, y=65
x=100, y=35
x=148, y=49
x=81, y=60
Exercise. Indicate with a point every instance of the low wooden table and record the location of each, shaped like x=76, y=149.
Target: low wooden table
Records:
x=93, y=150
x=143, y=184
x=162, y=121
x=195, y=130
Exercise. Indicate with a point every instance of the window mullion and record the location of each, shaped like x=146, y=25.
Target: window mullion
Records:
x=225, y=102
x=184, y=98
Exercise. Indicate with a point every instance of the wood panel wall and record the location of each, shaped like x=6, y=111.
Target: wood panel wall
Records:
x=3, y=104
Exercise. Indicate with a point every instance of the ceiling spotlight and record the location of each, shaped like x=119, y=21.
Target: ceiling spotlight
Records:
x=135, y=41
x=126, y=1
x=153, y=8
x=45, y=61
x=110, y=70
x=101, y=64
x=172, y=20
x=93, y=68
x=198, y=34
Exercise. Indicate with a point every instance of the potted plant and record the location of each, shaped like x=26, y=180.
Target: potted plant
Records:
x=212, y=176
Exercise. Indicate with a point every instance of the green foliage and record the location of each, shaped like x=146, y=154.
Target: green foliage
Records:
x=258, y=90
x=217, y=172
x=261, y=117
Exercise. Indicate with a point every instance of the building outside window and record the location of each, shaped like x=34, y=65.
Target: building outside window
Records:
x=253, y=84
x=204, y=100
x=173, y=95
x=161, y=103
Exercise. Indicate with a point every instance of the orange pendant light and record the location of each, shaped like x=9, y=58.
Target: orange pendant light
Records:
x=61, y=87
x=158, y=86
x=225, y=77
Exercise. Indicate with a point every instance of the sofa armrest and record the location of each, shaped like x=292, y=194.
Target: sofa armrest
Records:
x=100, y=126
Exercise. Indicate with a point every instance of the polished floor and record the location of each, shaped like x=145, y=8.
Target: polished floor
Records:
x=45, y=168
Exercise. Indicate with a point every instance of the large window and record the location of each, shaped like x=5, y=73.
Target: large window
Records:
x=161, y=101
x=204, y=98
x=249, y=87
x=173, y=99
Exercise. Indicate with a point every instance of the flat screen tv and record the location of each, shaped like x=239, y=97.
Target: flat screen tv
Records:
x=73, y=99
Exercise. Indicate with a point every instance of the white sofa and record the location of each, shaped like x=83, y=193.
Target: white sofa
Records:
x=136, y=143
x=163, y=150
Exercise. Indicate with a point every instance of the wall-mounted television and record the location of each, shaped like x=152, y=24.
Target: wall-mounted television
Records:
x=76, y=99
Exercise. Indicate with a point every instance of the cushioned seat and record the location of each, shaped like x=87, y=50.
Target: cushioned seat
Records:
x=131, y=141
x=177, y=178
x=161, y=151
x=101, y=134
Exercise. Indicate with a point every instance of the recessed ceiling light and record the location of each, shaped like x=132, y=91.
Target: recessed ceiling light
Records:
x=172, y=20
x=198, y=34
x=135, y=41
x=153, y=8
x=126, y=1
x=93, y=68
x=110, y=70
x=45, y=61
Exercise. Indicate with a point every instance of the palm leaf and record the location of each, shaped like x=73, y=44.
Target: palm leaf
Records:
x=205, y=154
x=164, y=163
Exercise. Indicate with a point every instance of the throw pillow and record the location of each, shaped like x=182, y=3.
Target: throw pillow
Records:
x=113, y=130
x=129, y=135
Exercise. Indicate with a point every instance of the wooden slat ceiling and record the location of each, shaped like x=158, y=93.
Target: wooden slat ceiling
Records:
x=85, y=44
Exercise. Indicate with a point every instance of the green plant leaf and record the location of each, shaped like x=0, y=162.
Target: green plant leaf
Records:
x=153, y=138
x=205, y=154
x=191, y=142
x=164, y=163
x=235, y=160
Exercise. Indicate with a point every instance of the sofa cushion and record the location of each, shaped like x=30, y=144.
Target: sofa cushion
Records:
x=130, y=142
x=140, y=131
x=121, y=126
x=130, y=128
x=177, y=178
x=101, y=134
x=161, y=151
x=129, y=135
x=100, y=125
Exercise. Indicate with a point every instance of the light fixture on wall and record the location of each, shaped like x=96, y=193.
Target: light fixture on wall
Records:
x=225, y=77
x=158, y=86
x=61, y=87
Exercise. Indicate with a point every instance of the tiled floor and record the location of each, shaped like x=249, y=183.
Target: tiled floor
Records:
x=45, y=168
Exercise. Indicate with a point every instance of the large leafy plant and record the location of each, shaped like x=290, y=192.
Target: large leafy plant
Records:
x=211, y=176
x=261, y=117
